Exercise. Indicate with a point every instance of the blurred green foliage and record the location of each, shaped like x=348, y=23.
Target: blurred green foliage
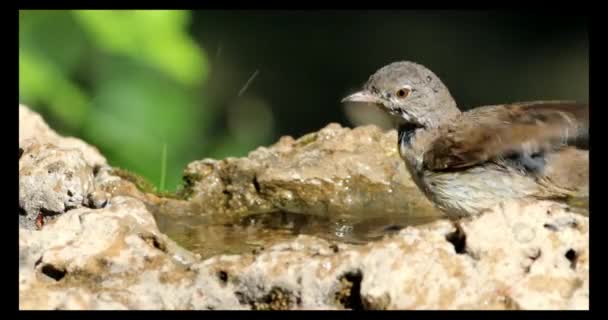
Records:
x=125, y=81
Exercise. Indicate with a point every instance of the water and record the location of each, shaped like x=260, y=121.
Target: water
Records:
x=208, y=236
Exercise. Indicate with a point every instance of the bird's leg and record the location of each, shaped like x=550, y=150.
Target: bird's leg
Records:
x=457, y=238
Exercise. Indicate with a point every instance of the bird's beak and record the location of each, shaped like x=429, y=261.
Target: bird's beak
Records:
x=362, y=96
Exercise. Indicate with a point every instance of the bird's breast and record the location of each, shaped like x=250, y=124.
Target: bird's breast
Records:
x=470, y=191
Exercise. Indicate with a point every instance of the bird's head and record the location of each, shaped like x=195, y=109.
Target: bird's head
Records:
x=409, y=92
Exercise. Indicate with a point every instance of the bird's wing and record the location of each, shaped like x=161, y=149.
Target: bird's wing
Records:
x=493, y=132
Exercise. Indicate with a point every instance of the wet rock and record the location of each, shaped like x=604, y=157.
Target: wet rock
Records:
x=520, y=255
x=109, y=183
x=419, y=268
x=116, y=258
x=335, y=171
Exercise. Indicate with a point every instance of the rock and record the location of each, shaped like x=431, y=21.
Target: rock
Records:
x=544, y=249
x=32, y=126
x=336, y=171
x=58, y=174
x=51, y=181
x=79, y=260
x=55, y=173
x=97, y=199
x=427, y=268
x=116, y=258
x=112, y=255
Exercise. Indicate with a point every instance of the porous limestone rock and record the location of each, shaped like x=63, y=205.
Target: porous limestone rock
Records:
x=332, y=172
x=51, y=181
x=518, y=255
x=58, y=174
x=32, y=126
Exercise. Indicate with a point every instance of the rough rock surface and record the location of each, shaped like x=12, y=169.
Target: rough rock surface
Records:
x=516, y=256
x=331, y=172
x=519, y=257
x=32, y=126
x=55, y=173
x=58, y=174
x=51, y=181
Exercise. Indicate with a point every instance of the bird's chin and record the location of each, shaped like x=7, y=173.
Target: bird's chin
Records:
x=393, y=111
x=401, y=116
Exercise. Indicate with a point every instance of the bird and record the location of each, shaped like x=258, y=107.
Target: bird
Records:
x=467, y=162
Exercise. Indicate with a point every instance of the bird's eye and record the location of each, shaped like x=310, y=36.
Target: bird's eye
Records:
x=403, y=92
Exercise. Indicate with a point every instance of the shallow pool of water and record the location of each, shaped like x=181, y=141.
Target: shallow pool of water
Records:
x=201, y=234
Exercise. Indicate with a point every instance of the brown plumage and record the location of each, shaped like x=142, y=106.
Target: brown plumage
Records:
x=466, y=162
x=494, y=132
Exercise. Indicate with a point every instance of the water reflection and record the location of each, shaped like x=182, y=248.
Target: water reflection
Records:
x=256, y=232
